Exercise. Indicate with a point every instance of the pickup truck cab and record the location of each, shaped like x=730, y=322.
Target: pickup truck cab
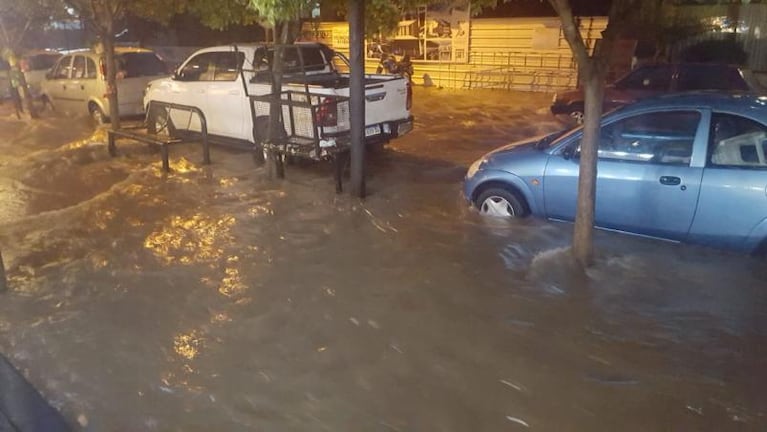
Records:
x=218, y=81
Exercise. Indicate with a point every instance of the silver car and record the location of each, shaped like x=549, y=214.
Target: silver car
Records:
x=77, y=83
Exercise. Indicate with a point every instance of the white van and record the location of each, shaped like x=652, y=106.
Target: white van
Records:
x=77, y=83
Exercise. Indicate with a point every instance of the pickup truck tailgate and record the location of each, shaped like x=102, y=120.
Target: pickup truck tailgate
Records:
x=385, y=98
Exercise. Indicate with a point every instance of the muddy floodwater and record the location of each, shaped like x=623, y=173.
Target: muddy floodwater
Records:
x=213, y=299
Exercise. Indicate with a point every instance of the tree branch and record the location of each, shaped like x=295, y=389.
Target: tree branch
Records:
x=571, y=31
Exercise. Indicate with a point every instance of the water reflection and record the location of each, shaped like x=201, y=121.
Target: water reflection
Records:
x=188, y=345
x=193, y=239
x=231, y=285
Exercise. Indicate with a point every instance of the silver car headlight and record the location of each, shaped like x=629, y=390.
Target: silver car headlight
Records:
x=476, y=166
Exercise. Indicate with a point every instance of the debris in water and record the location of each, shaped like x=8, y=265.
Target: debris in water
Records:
x=82, y=420
x=599, y=360
x=516, y=387
x=166, y=389
x=518, y=421
x=374, y=324
x=698, y=411
x=390, y=426
x=612, y=380
x=396, y=348
x=354, y=321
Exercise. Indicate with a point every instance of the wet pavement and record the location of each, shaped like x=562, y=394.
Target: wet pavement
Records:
x=213, y=299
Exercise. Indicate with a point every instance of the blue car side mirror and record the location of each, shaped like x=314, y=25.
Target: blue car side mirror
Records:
x=571, y=152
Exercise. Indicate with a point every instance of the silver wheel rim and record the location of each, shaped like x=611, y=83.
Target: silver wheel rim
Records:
x=97, y=116
x=497, y=207
x=577, y=116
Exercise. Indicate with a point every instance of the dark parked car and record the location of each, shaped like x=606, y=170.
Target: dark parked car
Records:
x=686, y=167
x=651, y=80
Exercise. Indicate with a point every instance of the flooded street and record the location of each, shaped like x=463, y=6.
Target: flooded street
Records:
x=212, y=299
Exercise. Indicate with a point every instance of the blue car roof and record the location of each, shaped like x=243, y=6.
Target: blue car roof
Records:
x=744, y=103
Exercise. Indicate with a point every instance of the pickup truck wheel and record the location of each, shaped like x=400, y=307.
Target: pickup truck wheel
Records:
x=498, y=202
x=158, y=122
x=47, y=104
x=259, y=154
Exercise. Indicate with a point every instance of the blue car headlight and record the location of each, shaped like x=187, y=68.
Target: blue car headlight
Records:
x=476, y=166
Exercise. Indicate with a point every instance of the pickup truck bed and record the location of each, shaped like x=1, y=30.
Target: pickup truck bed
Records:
x=221, y=80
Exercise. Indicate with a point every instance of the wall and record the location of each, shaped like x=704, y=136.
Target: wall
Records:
x=510, y=53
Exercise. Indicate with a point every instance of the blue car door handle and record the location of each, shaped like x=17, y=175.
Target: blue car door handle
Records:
x=670, y=180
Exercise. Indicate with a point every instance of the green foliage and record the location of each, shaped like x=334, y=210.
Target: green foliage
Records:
x=275, y=12
x=219, y=15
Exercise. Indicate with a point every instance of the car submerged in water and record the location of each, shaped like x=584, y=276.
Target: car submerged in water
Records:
x=687, y=167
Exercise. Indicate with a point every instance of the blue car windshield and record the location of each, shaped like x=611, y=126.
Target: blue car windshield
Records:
x=552, y=140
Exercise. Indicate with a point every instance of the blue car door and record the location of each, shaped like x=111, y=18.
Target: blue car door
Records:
x=647, y=178
x=733, y=198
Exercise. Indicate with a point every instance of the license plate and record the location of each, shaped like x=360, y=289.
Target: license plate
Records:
x=372, y=130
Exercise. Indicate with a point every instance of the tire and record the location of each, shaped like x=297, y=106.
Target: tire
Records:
x=761, y=250
x=500, y=202
x=259, y=154
x=97, y=115
x=46, y=104
x=158, y=122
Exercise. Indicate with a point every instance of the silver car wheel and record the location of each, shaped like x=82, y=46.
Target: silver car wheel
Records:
x=98, y=116
x=496, y=206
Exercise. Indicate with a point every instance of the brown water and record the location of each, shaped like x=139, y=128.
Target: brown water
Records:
x=213, y=299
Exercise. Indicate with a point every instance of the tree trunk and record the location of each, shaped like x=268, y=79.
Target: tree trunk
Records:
x=3, y=279
x=583, y=247
x=356, y=10
x=107, y=39
x=274, y=166
x=26, y=97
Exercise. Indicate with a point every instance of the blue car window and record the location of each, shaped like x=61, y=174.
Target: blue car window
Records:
x=664, y=138
x=737, y=142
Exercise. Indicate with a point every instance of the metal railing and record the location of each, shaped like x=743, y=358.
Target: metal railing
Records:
x=159, y=114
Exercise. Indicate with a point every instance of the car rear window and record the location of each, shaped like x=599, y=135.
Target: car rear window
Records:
x=312, y=59
x=710, y=77
x=42, y=61
x=141, y=64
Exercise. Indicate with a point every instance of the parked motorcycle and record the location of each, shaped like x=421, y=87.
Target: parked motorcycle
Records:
x=390, y=65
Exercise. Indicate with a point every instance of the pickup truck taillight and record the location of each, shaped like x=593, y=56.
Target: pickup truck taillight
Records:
x=409, y=102
x=327, y=113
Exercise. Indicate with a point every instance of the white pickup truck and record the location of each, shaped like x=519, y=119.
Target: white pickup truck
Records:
x=218, y=81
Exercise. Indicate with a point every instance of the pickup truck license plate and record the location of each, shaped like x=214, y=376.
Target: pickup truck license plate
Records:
x=372, y=130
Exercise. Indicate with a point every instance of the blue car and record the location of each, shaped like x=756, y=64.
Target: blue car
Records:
x=685, y=167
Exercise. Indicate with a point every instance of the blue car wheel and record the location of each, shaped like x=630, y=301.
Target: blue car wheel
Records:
x=497, y=202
